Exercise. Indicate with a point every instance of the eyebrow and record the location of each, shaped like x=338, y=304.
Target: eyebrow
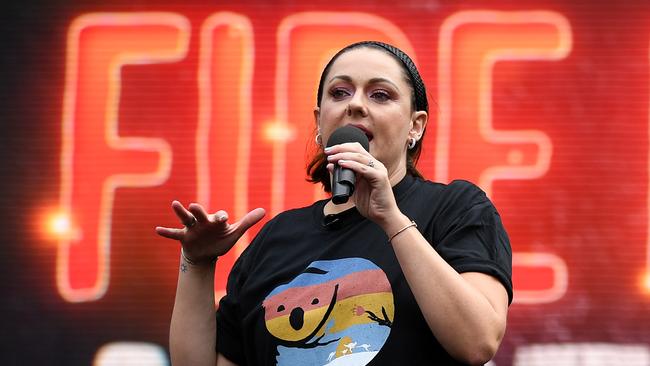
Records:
x=371, y=81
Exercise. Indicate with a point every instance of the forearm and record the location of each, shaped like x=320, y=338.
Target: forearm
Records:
x=192, y=335
x=460, y=316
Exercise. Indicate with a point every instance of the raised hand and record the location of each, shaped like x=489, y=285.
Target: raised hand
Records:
x=204, y=236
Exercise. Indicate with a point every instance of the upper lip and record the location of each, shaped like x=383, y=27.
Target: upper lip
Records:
x=364, y=129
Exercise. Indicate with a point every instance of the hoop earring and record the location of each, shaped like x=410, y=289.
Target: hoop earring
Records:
x=412, y=142
x=319, y=139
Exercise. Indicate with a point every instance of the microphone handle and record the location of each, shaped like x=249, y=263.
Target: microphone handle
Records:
x=342, y=184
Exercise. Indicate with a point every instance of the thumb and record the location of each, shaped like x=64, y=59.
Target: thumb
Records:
x=249, y=220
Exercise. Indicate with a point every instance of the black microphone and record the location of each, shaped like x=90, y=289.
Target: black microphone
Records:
x=343, y=179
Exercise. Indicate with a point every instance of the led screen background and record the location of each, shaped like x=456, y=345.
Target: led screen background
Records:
x=113, y=109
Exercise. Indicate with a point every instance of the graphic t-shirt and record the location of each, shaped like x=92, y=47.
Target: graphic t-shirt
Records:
x=315, y=290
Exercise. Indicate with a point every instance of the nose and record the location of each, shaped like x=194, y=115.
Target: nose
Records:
x=297, y=318
x=357, y=106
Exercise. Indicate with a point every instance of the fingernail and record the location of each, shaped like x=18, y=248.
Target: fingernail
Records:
x=327, y=149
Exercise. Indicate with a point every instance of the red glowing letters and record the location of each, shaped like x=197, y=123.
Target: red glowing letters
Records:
x=100, y=44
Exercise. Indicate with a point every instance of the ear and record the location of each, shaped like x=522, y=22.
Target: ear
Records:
x=317, y=116
x=418, y=124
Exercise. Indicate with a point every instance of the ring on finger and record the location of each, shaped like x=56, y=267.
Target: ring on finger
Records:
x=191, y=223
x=371, y=164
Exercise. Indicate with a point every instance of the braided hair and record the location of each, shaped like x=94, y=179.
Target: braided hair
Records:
x=316, y=169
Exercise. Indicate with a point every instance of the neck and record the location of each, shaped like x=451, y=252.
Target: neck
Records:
x=397, y=175
x=332, y=209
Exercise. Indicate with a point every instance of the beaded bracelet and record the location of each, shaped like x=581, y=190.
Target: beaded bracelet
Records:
x=412, y=224
x=193, y=263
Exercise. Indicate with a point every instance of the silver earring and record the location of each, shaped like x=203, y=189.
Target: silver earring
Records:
x=319, y=139
x=412, y=142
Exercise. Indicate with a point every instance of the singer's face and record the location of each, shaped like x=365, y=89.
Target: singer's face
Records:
x=367, y=88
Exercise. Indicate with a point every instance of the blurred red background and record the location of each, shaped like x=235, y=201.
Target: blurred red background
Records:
x=113, y=110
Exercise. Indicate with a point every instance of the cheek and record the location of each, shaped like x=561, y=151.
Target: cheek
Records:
x=332, y=110
x=392, y=131
x=384, y=145
x=390, y=137
x=329, y=121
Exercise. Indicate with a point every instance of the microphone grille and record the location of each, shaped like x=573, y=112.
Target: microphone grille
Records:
x=348, y=133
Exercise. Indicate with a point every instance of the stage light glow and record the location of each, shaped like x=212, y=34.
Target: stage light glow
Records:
x=279, y=132
x=59, y=225
x=645, y=283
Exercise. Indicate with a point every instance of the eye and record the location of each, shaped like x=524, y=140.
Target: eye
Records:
x=380, y=95
x=280, y=308
x=339, y=93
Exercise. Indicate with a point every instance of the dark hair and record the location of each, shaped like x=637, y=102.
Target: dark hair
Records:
x=316, y=169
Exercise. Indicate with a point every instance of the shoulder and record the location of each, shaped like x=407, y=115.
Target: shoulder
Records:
x=298, y=212
x=295, y=216
x=446, y=206
x=423, y=189
x=459, y=193
x=464, y=193
x=284, y=223
x=465, y=201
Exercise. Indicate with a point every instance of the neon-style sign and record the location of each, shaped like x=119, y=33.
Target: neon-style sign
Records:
x=100, y=44
x=95, y=159
x=645, y=278
x=226, y=60
x=471, y=43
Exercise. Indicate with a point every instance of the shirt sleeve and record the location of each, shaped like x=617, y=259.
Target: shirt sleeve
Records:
x=229, y=332
x=470, y=236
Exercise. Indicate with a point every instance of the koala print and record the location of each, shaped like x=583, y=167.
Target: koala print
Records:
x=336, y=312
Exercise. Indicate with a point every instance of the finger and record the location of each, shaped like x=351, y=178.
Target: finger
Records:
x=348, y=146
x=360, y=157
x=219, y=217
x=352, y=146
x=170, y=233
x=198, y=212
x=184, y=215
x=363, y=168
x=356, y=146
x=250, y=219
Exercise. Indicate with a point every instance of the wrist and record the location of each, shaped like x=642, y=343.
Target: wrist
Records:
x=201, y=272
x=412, y=224
x=210, y=262
x=395, y=223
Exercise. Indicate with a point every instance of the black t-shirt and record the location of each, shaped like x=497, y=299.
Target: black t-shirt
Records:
x=311, y=290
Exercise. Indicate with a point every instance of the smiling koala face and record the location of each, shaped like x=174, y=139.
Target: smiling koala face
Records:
x=346, y=299
x=298, y=312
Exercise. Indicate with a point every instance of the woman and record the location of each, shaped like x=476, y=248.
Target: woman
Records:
x=406, y=272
